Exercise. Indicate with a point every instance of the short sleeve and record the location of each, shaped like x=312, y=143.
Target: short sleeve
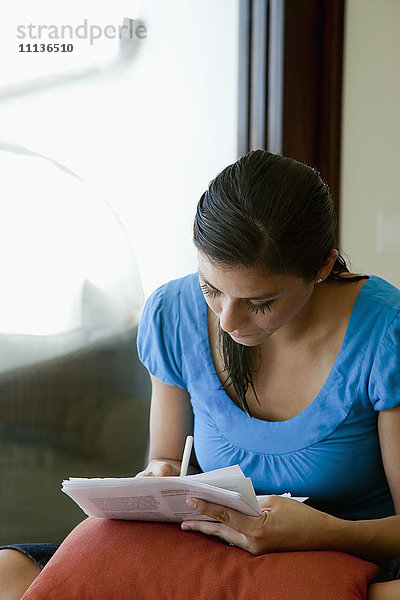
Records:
x=384, y=385
x=158, y=342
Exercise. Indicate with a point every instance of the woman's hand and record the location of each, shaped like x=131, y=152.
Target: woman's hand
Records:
x=161, y=468
x=284, y=524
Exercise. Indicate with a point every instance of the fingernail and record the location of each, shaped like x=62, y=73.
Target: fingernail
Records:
x=190, y=502
x=185, y=527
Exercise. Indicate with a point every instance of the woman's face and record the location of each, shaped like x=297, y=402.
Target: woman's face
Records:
x=252, y=304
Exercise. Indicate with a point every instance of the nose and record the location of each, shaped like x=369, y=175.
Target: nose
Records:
x=231, y=317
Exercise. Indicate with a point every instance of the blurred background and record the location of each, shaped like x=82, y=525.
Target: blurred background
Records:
x=105, y=148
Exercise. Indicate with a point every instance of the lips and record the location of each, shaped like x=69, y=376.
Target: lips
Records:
x=242, y=335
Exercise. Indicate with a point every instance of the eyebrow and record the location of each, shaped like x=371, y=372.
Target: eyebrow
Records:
x=261, y=297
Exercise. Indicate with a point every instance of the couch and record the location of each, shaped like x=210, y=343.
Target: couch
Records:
x=84, y=413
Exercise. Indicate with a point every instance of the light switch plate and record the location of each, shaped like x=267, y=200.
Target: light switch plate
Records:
x=388, y=233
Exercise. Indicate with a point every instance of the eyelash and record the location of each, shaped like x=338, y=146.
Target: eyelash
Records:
x=255, y=308
x=252, y=307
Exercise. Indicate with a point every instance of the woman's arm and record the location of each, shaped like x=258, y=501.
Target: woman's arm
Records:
x=171, y=420
x=389, y=437
x=379, y=539
x=289, y=525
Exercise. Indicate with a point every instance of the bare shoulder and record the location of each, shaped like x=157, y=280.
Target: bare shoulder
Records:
x=335, y=301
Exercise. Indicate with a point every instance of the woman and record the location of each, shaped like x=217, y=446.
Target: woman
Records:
x=280, y=360
x=284, y=360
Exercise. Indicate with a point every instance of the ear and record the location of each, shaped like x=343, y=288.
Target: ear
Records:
x=327, y=266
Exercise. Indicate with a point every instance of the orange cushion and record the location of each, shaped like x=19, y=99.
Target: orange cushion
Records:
x=107, y=559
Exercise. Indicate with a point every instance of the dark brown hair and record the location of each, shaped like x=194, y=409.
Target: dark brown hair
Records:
x=280, y=215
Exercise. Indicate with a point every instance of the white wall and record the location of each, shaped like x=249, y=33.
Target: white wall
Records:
x=371, y=132
x=151, y=137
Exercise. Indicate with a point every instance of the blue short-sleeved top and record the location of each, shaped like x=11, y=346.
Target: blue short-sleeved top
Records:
x=330, y=451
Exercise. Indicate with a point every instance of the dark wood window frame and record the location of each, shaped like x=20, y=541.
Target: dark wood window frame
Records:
x=290, y=81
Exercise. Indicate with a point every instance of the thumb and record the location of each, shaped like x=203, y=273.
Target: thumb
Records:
x=268, y=502
x=165, y=469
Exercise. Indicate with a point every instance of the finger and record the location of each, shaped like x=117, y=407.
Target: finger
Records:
x=159, y=469
x=143, y=473
x=251, y=538
x=146, y=473
x=167, y=470
x=219, y=530
x=230, y=517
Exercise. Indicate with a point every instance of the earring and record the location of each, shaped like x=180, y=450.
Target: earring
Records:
x=319, y=280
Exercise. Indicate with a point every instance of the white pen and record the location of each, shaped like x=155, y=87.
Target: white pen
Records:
x=186, y=455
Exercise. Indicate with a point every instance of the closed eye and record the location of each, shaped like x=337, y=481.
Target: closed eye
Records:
x=212, y=293
x=259, y=307
x=209, y=291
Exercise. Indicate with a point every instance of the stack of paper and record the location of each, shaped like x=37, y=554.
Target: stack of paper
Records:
x=162, y=498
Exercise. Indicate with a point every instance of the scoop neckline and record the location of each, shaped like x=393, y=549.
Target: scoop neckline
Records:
x=235, y=410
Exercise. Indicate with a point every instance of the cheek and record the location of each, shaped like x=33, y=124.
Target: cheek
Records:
x=277, y=316
x=287, y=311
x=267, y=321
